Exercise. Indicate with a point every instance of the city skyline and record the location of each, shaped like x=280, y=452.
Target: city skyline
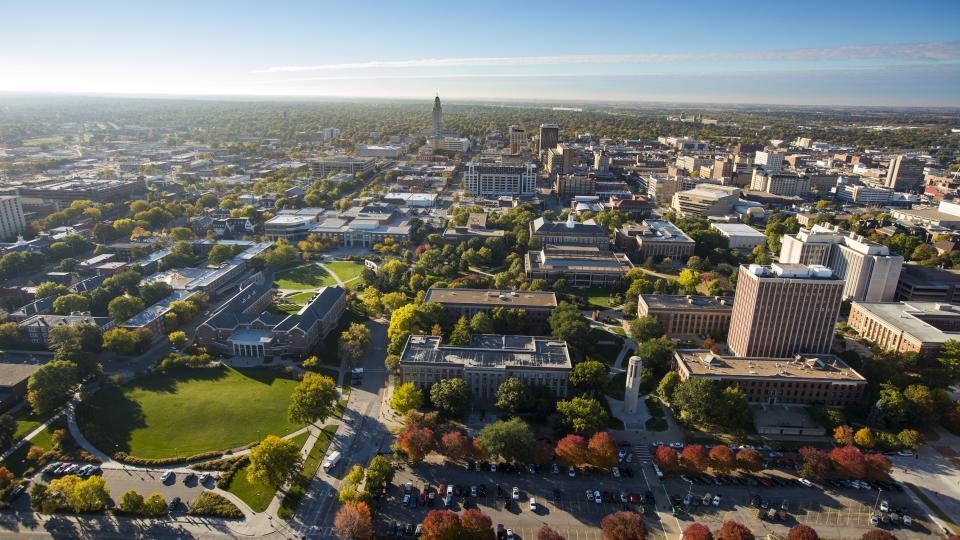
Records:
x=823, y=54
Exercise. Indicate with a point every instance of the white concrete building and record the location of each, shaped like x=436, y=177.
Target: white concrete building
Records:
x=740, y=236
x=12, y=221
x=771, y=161
x=492, y=179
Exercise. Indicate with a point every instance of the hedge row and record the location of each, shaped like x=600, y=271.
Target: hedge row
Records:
x=224, y=464
x=213, y=505
x=224, y=481
x=123, y=457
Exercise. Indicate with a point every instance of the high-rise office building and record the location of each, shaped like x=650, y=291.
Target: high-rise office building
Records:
x=772, y=162
x=784, y=309
x=518, y=139
x=12, y=221
x=499, y=179
x=549, y=136
x=870, y=272
x=437, y=119
x=904, y=173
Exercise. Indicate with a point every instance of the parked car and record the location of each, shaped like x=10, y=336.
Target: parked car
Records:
x=571, y=472
x=596, y=497
x=590, y=495
x=884, y=506
x=516, y=493
x=533, y=504
x=616, y=472
x=555, y=469
x=168, y=476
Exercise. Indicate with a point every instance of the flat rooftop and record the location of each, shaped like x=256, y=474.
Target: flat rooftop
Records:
x=737, y=229
x=679, y=301
x=808, y=367
x=493, y=298
x=656, y=229
x=909, y=317
x=13, y=374
x=489, y=351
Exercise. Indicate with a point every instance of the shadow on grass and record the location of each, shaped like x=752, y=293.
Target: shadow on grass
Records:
x=109, y=418
x=307, y=274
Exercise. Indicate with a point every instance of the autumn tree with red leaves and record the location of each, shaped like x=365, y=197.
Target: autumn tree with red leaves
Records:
x=722, y=459
x=878, y=466
x=354, y=522
x=732, y=530
x=848, y=462
x=694, y=458
x=877, y=534
x=572, y=450
x=415, y=442
x=602, y=450
x=697, y=531
x=749, y=460
x=666, y=458
x=814, y=463
x=475, y=525
x=455, y=445
x=623, y=526
x=546, y=533
x=441, y=525
x=802, y=532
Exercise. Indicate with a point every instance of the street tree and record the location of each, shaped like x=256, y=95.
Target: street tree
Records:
x=733, y=530
x=455, y=445
x=406, y=397
x=512, y=395
x=722, y=459
x=274, y=461
x=415, y=442
x=623, y=526
x=572, y=451
x=354, y=522
x=313, y=399
x=602, y=450
x=450, y=396
x=511, y=440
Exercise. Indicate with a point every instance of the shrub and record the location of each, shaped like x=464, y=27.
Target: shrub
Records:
x=214, y=505
x=224, y=464
x=123, y=457
x=227, y=477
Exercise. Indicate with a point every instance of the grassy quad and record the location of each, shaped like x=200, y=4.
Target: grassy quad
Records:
x=187, y=412
x=345, y=270
x=304, y=277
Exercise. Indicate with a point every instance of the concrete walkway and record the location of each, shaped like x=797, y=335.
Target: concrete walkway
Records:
x=628, y=346
x=39, y=429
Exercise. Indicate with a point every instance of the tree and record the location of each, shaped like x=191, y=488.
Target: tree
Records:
x=450, y=396
x=582, y=414
x=802, y=532
x=623, y=526
x=70, y=303
x=353, y=341
x=281, y=255
x=949, y=357
x=843, y=435
x=119, y=340
x=177, y=338
x=81, y=495
x=694, y=458
x=441, y=525
x=475, y=525
x=8, y=428
x=313, y=399
x=511, y=440
x=50, y=288
x=697, y=531
x=50, y=385
x=6, y=477
x=455, y=445
x=572, y=451
x=546, y=533
x=645, y=328
x=814, y=463
x=749, y=460
x=864, y=438
x=416, y=442
x=354, y=522
x=589, y=375
x=603, y=450
x=668, y=385
x=131, y=502
x=910, y=438
x=666, y=458
x=274, y=461
x=219, y=254
x=11, y=335
x=568, y=324
x=732, y=530
x=379, y=473
x=878, y=466
x=848, y=462
x=512, y=395
x=406, y=397
x=688, y=278
x=460, y=336
x=155, y=505
x=878, y=534
x=698, y=399
x=722, y=459
x=123, y=308
x=481, y=323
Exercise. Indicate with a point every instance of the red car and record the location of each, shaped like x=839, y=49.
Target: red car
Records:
x=423, y=498
x=441, y=490
x=633, y=498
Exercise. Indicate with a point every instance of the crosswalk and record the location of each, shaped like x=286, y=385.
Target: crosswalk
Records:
x=643, y=453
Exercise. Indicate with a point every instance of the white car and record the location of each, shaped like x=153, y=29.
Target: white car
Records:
x=884, y=506
x=806, y=482
x=556, y=469
x=516, y=493
x=167, y=476
x=597, y=498
x=905, y=453
x=510, y=534
x=716, y=500
x=493, y=467
x=907, y=520
x=571, y=472
x=473, y=491
x=676, y=445
x=533, y=504
x=874, y=520
x=589, y=495
x=616, y=472
x=621, y=454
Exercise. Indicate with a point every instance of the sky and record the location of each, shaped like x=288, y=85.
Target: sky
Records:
x=814, y=53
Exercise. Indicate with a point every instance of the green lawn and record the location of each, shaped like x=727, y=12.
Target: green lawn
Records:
x=301, y=438
x=257, y=496
x=310, y=465
x=305, y=276
x=26, y=422
x=17, y=461
x=599, y=297
x=300, y=298
x=188, y=411
x=345, y=270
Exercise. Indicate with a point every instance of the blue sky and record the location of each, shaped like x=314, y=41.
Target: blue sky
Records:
x=848, y=53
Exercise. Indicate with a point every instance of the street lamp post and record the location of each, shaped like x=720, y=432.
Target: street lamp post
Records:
x=876, y=502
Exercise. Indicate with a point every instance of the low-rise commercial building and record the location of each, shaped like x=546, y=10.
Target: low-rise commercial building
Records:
x=688, y=315
x=927, y=284
x=352, y=165
x=536, y=305
x=807, y=379
x=654, y=238
x=476, y=227
x=581, y=266
x=740, y=236
x=919, y=327
x=487, y=362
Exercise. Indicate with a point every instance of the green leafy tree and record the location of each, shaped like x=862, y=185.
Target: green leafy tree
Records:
x=131, y=502
x=50, y=385
x=155, y=505
x=589, y=375
x=8, y=428
x=274, y=461
x=50, y=288
x=406, y=397
x=582, y=414
x=512, y=394
x=70, y=303
x=122, y=308
x=668, y=385
x=568, y=324
x=313, y=399
x=460, y=336
x=645, y=328
x=511, y=440
x=450, y=396
x=481, y=323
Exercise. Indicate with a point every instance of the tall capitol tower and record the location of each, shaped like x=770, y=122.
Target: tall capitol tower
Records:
x=437, y=119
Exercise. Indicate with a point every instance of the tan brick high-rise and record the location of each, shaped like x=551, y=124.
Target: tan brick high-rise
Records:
x=784, y=309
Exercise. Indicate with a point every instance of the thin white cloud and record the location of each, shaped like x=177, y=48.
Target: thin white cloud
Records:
x=934, y=51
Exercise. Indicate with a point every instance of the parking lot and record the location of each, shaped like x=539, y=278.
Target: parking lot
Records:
x=834, y=512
